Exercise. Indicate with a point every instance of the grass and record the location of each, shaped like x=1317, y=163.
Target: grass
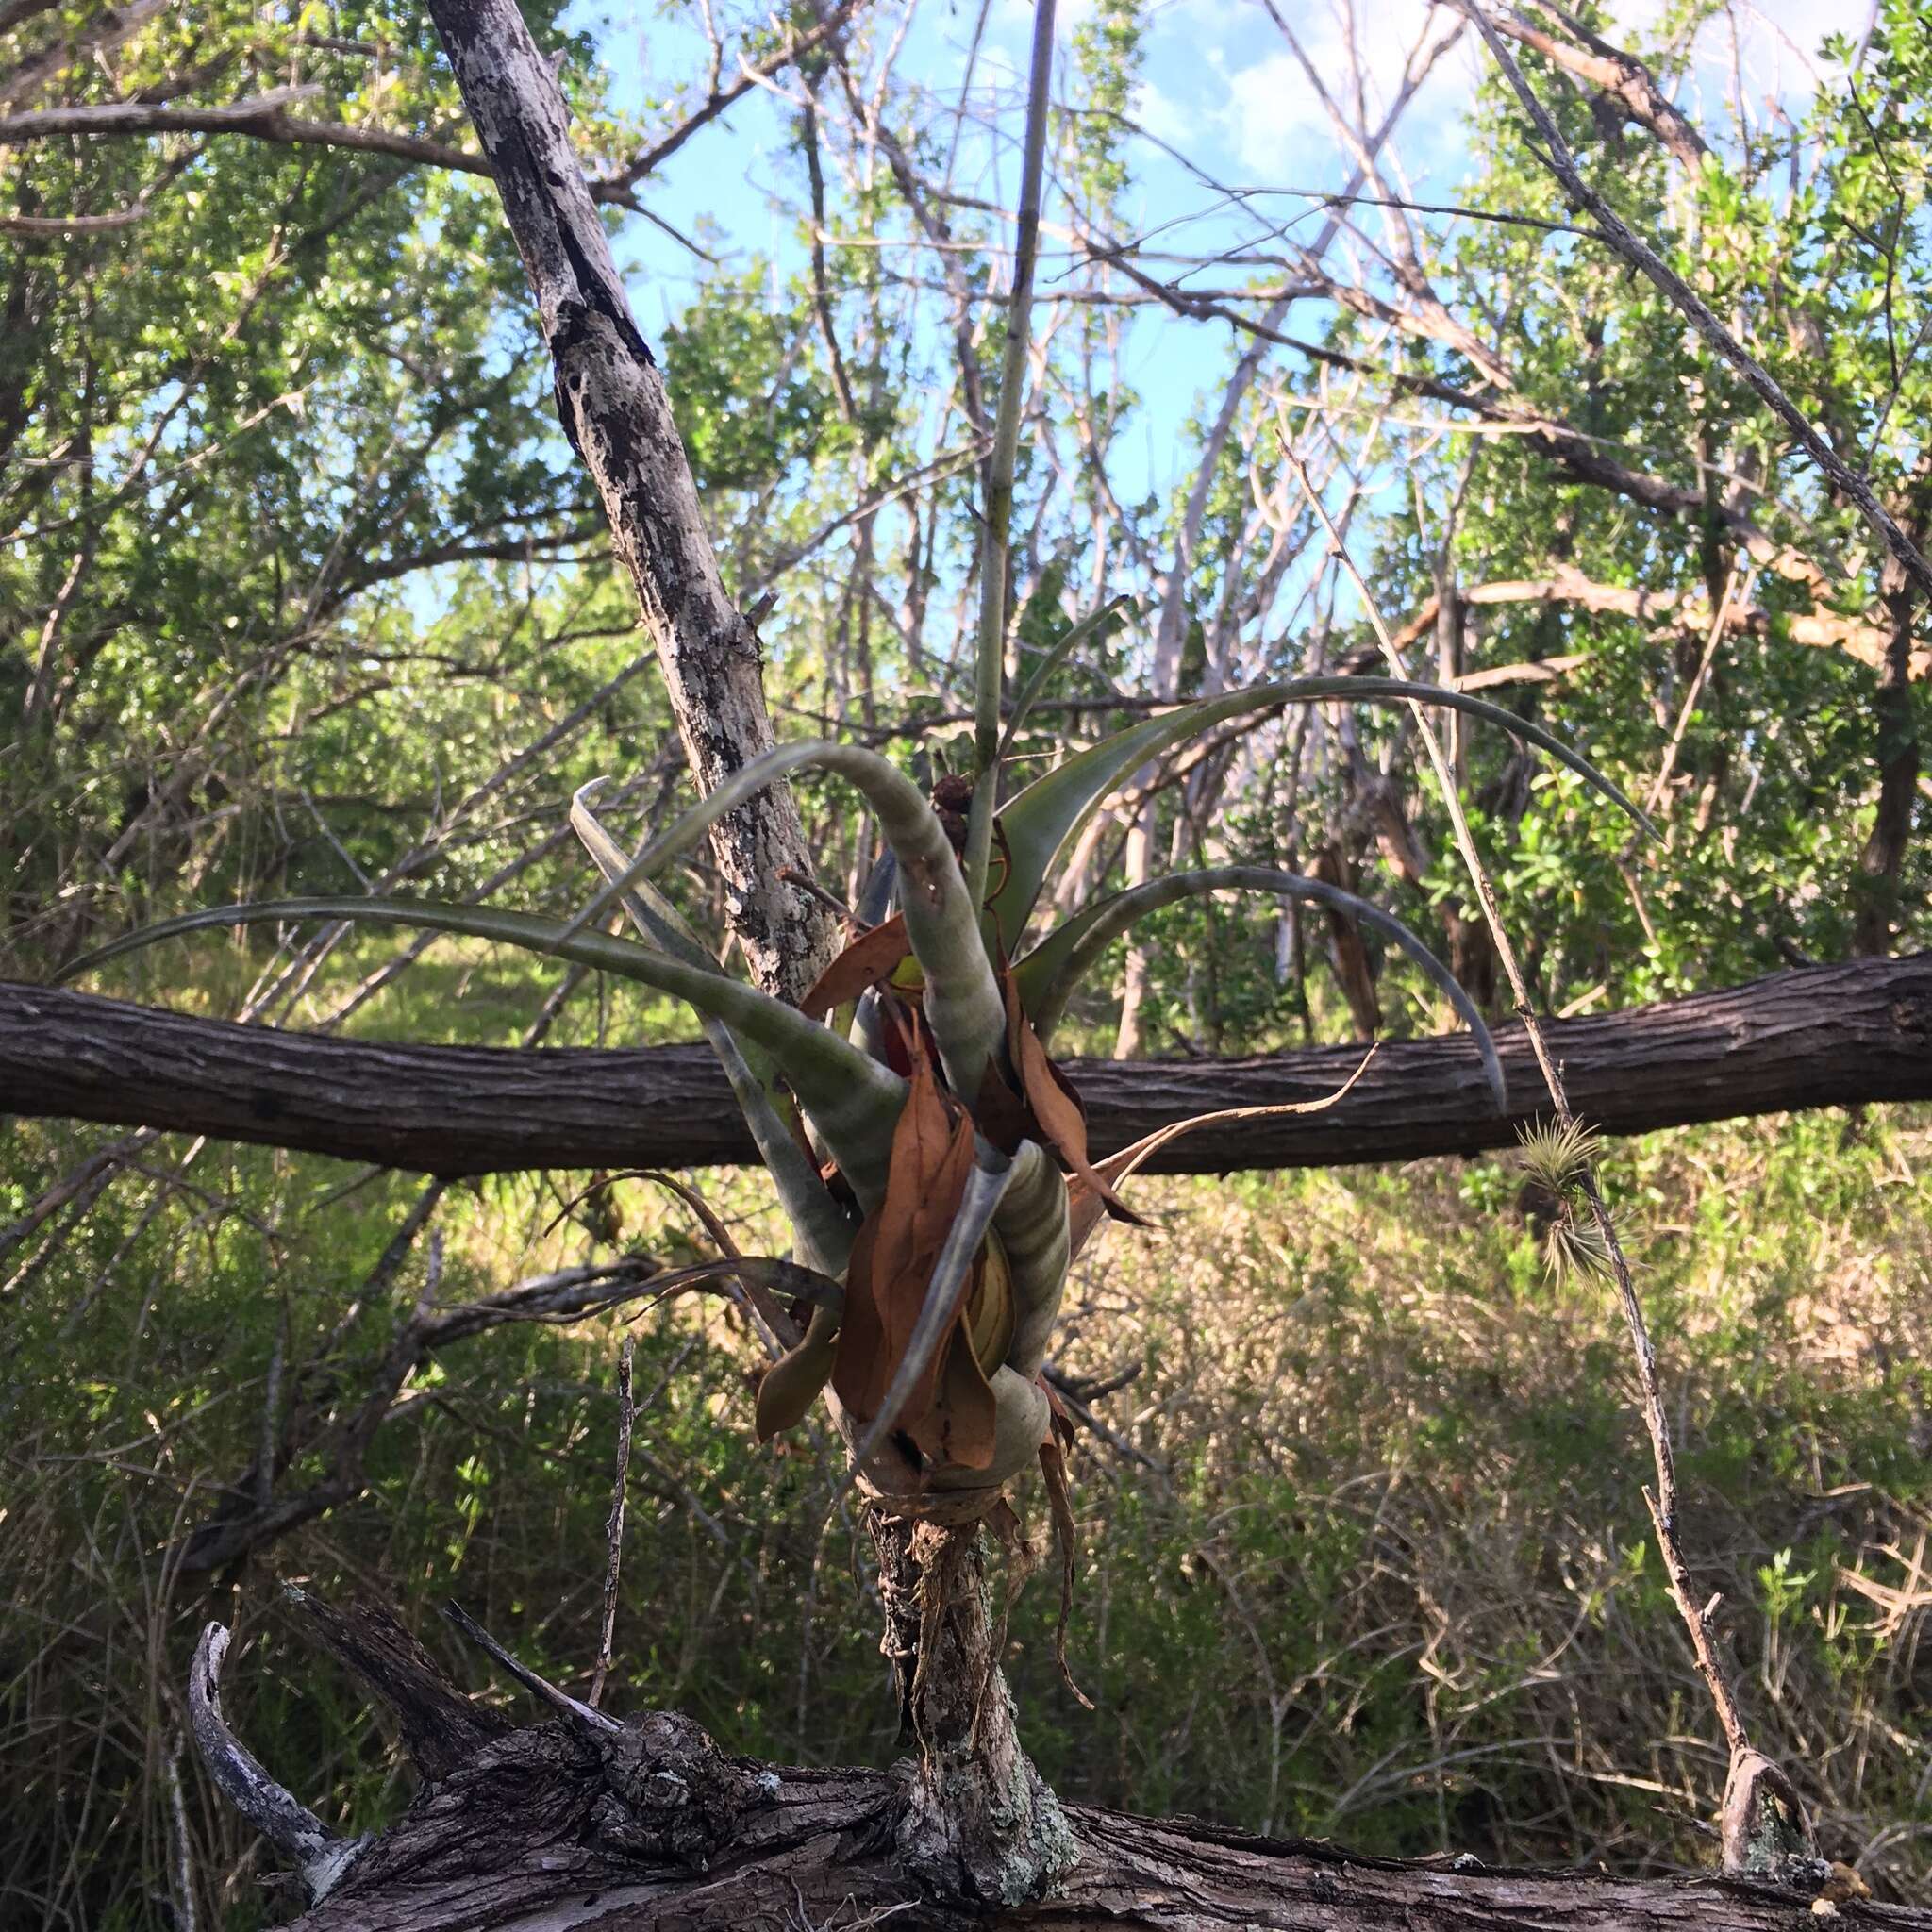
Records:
x=1388, y=1577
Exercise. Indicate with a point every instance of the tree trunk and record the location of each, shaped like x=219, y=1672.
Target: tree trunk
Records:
x=1822, y=1036
x=1349, y=957
x=982, y=1825
x=1881, y=866
x=978, y=1823
x=503, y=1844
x=614, y=409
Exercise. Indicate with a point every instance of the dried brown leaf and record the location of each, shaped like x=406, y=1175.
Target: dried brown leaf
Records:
x=873, y=955
x=1055, y=1107
x=894, y=1257
x=1060, y=1501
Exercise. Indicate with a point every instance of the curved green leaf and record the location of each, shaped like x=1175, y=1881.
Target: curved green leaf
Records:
x=1048, y=975
x=789, y=1387
x=822, y=1228
x=854, y=1100
x=1034, y=1228
x=962, y=999
x=1098, y=624
x=1040, y=820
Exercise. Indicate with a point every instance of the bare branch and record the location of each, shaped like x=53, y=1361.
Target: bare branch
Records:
x=752, y=75
x=321, y=1858
x=1619, y=76
x=613, y=1527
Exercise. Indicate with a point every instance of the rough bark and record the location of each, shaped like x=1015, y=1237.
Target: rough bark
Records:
x=1881, y=866
x=504, y=1843
x=1820, y=1036
x=612, y=403
x=977, y=1822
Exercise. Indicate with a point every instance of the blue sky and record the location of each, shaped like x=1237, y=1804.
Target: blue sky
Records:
x=1218, y=84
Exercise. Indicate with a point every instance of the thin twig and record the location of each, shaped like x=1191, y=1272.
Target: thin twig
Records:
x=1663, y=1504
x=994, y=550
x=180, y=1845
x=1737, y=588
x=613, y=1527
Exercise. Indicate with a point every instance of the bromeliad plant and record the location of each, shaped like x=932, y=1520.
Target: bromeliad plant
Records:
x=939, y=1185
x=931, y=1158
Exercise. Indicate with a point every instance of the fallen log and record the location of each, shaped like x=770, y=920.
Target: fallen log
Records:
x=1819, y=1036
x=820, y=1852
x=643, y=1824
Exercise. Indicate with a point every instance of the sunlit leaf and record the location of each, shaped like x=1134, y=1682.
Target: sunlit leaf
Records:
x=1041, y=819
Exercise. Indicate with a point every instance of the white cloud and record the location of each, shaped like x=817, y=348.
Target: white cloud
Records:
x=1274, y=121
x=1271, y=113
x=1162, y=114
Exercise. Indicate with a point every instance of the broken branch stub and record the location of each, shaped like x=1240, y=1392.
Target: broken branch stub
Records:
x=322, y=1859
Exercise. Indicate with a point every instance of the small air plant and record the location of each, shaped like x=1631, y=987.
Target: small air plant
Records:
x=1556, y=1157
x=930, y=1156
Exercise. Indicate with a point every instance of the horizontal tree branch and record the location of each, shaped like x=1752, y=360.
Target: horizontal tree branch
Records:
x=510, y=1851
x=1819, y=1035
x=1821, y=630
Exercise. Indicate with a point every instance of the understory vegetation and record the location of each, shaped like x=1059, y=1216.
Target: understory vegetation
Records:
x=305, y=595
x=1362, y=1548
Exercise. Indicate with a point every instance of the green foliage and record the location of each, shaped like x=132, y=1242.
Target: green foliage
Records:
x=1107, y=56
x=237, y=436
x=1804, y=239
x=1395, y=1587
x=300, y=596
x=747, y=407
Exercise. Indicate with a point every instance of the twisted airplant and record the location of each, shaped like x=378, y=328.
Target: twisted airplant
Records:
x=939, y=1184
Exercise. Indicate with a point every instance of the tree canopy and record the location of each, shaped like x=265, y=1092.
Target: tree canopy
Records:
x=1517, y=533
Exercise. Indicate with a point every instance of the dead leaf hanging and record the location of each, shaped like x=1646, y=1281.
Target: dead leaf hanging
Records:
x=876, y=954
x=894, y=1257
x=970, y=1283
x=1054, y=1104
